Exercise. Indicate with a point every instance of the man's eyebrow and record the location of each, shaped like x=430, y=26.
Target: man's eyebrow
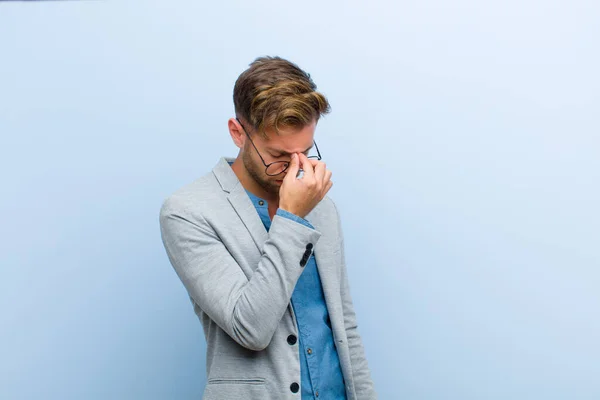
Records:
x=282, y=152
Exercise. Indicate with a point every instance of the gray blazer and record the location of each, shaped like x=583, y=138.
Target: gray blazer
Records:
x=240, y=279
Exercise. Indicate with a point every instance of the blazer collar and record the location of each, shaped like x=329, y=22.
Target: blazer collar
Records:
x=225, y=175
x=240, y=201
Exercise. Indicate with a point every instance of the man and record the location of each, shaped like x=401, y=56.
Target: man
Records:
x=259, y=249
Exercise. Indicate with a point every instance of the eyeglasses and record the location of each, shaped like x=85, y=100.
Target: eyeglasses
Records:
x=277, y=167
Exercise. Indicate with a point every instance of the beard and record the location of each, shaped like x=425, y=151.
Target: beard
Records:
x=257, y=172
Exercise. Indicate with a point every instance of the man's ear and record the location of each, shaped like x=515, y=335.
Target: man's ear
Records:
x=237, y=134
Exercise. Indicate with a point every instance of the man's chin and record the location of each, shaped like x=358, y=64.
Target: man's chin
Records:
x=271, y=187
x=275, y=189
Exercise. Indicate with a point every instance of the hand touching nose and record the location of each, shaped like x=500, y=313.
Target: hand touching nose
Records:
x=300, y=196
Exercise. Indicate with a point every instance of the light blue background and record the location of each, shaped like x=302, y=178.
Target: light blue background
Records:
x=465, y=148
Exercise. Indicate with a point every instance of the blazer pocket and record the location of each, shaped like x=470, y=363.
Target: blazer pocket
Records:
x=235, y=388
x=236, y=381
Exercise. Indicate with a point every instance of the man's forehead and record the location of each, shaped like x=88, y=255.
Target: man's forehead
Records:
x=278, y=148
x=300, y=142
x=290, y=139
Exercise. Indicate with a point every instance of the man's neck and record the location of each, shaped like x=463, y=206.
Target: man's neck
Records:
x=250, y=184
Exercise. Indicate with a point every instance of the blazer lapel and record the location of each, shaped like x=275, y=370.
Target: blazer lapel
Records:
x=240, y=201
x=247, y=212
x=328, y=268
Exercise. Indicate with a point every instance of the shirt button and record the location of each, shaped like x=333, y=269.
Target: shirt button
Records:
x=294, y=387
x=317, y=393
x=309, y=351
x=291, y=340
x=261, y=203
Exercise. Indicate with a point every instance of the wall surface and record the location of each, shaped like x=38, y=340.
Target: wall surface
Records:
x=464, y=143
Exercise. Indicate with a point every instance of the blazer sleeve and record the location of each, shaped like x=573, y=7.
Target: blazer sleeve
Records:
x=249, y=310
x=363, y=383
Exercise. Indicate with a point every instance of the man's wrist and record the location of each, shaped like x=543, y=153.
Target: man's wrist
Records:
x=289, y=215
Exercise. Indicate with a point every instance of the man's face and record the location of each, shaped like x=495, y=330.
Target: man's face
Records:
x=276, y=148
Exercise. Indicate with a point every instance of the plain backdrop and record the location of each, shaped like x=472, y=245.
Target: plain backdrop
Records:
x=464, y=141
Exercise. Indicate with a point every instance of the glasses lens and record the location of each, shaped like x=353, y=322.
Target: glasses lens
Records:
x=277, y=167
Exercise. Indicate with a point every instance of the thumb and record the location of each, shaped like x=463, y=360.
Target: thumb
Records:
x=294, y=167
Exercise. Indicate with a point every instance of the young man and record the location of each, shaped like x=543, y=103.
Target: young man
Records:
x=258, y=245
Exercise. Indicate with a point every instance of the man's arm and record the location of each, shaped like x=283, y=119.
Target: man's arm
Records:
x=365, y=389
x=248, y=310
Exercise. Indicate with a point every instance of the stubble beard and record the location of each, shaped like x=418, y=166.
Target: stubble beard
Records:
x=257, y=172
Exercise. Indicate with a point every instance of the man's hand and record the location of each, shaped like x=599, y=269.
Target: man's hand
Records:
x=300, y=196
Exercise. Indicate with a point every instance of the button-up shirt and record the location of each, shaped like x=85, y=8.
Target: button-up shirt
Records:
x=319, y=362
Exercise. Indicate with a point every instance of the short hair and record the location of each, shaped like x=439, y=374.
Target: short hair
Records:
x=275, y=93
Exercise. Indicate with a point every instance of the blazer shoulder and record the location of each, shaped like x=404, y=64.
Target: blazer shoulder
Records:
x=330, y=207
x=193, y=198
x=326, y=212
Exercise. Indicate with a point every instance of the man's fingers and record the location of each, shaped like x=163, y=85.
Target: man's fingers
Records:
x=307, y=166
x=329, y=185
x=327, y=175
x=293, y=167
x=313, y=161
x=320, y=170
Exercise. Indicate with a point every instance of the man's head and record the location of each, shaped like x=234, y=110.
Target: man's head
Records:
x=277, y=109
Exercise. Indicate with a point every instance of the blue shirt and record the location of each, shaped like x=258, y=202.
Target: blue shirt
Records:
x=319, y=362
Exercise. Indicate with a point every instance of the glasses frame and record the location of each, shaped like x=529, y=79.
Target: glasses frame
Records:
x=318, y=156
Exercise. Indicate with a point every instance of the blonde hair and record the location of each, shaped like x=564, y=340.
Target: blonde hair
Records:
x=276, y=93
